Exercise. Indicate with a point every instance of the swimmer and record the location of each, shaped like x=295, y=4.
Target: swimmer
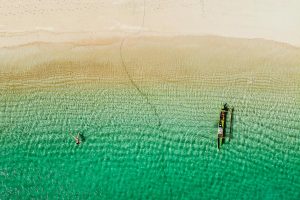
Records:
x=77, y=140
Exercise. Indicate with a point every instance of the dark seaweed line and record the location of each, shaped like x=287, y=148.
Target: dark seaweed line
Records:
x=144, y=95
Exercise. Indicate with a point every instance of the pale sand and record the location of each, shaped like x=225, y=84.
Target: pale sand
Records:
x=215, y=60
x=267, y=19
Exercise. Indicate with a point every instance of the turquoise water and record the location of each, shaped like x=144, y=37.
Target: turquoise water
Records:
x=126, y=154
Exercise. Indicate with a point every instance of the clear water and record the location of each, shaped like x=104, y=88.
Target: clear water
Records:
x=126, y=155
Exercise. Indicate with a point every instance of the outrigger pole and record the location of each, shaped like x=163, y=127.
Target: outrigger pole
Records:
x=231, y=118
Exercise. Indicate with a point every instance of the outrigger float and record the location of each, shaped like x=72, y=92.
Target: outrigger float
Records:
x=222, y=125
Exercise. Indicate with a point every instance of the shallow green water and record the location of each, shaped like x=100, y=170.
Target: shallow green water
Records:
x=126, y=155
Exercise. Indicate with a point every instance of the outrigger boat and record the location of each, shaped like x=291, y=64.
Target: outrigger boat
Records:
x=222, y=125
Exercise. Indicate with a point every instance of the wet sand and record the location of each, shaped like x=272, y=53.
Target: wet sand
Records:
x=151, y=58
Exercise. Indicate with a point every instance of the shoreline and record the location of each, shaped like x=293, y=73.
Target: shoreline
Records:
x=186, y=55
x=214, y=63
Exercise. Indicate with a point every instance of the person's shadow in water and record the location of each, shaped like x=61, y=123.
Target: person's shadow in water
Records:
x=82, y=137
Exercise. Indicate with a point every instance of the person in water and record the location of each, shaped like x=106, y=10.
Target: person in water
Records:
x=77, y=139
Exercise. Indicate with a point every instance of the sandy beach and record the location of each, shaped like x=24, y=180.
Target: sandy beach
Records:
x=173, y=59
